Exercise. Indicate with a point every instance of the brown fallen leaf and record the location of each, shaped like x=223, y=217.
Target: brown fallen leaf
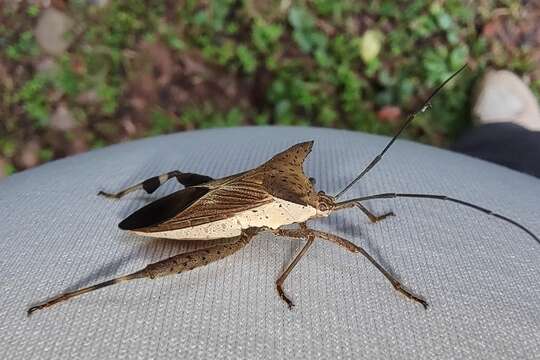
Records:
x=62, y=119
x=389, y=114
x=490, y=29
x=160, y=59
x=29, y=155
x=3, y=170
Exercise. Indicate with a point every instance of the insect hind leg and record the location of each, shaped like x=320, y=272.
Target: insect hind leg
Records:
x=152, y=184
x=173, y=265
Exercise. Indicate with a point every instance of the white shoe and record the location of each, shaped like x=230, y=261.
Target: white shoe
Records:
x=504, y=97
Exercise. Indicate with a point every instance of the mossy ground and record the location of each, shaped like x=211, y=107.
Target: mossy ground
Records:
x=140, y=68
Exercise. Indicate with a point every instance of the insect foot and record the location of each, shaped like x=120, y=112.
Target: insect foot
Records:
x=376, y=219
x=284, y=297
x=109, y=195
x=410, y=295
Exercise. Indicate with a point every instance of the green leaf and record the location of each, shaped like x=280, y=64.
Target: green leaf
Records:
x=46, y=154
x=175, y=43
x=9, y=169
x=262, y=119
x=33, y=10
x=327, y=116
x=445, y=21
x=459, y=56
x=162, y=122
x=303, y=40
x=247, y=59
x=8, y=147
x=300, y=19
x=323, y=58
x=265, y=36
x=234, y=117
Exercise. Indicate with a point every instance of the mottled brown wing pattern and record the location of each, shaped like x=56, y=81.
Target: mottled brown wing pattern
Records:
x=284, y=175
x=237, y=195
x=293, y=156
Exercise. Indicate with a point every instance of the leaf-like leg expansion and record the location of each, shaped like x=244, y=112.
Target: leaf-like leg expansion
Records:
x=173, y=265
x=372, y=217
x=152, y=184
x=281, y=279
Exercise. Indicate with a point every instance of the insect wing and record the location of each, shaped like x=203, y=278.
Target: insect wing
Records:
x=163, y=209
x=220, y=203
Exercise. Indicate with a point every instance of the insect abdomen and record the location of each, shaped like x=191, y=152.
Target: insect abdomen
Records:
x=272, y=215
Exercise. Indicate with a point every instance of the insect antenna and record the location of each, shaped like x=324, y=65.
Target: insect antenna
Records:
x=439, y=197
x=422, y=108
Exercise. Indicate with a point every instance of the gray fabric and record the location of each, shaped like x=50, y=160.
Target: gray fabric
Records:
x=479, y=274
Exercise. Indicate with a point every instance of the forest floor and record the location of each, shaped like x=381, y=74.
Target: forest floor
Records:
x=130, y=69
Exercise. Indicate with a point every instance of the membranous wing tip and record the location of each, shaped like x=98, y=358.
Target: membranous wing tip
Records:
x=163, y=209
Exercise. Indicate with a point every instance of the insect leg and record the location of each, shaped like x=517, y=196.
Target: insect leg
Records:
x=193, y=259
x=150, y=185
x=281, y=279
x=372, y=217
x=305, y=232
x=173, y=265
x=395, y=283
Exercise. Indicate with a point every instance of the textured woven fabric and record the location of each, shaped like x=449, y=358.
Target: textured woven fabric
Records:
x=479, y=274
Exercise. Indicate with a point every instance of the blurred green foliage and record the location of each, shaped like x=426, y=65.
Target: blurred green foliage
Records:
x=321, y=63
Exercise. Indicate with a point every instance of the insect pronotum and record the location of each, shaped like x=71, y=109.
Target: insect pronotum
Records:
x=240, y=206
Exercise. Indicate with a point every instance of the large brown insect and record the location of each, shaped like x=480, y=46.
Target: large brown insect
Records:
x=239, y=206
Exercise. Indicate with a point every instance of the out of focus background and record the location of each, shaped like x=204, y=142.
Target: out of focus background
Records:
x=77, y=75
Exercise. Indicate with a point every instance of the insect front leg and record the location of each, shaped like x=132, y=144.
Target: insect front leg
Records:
x=283, y=276
x=173, y=265
x=152, y=184
x=372, y=217
x=395, y=283
x=305, y=232
x=309, y=234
